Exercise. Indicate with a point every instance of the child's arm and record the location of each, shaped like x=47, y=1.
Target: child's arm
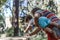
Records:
x=36, y=22
x=35, y=32
x=28, y=28
x=55, y=24
x=48, y=30
x=51, y=31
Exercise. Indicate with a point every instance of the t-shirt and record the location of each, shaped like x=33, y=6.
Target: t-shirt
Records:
x=49, y=15
x=31, y=23
x=43, y=21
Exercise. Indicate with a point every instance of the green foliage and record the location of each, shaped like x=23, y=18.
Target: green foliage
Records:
x=39, y=36
x=10, y=32
x=1, y=18
x=2, y=23
x=52, y=7
x=2, y=2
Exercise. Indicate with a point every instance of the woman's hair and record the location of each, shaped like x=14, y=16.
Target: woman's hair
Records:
x=28, y=18
x=34, y=10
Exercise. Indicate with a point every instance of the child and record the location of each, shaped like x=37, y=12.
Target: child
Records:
x=30, y=23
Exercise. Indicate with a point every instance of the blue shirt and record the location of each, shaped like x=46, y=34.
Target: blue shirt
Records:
x=43, y=22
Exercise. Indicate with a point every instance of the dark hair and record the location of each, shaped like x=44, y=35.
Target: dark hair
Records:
x=28, y=17
x=34, y=10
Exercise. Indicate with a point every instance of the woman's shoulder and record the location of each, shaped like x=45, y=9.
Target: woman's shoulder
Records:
x=42, y=17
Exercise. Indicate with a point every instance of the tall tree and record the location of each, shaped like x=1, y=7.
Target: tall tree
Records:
x=16, y=28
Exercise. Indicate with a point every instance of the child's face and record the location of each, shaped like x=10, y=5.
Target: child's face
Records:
x=36, y=15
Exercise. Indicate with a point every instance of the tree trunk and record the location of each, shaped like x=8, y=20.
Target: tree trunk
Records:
x=16, y=27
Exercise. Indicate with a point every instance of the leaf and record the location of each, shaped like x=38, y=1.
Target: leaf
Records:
x=2, y=2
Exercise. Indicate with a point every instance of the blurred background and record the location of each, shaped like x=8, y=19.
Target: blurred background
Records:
x=13, y=13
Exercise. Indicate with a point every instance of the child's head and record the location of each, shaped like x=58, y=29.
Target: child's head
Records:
x=36, y=10
x=37, y=15
x=28, y=18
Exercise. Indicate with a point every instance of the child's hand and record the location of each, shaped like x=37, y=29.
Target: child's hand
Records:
x=24, y=31
x=27, y=35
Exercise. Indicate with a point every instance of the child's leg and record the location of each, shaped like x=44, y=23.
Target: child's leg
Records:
x=54, y=33
x=50, y=31
x=57, y=31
